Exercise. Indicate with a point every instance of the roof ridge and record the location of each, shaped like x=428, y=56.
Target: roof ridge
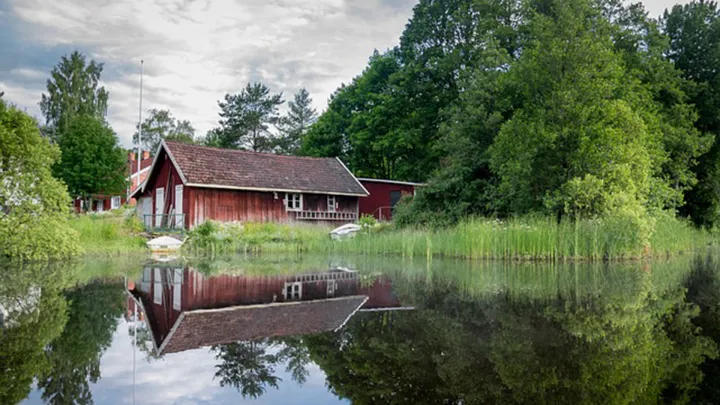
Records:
x=246, y=152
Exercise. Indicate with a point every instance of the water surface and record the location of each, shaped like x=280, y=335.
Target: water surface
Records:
x=364, y=330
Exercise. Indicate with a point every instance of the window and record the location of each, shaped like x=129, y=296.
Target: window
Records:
x=293, y=201
x=99, y=205
x=115, y=203
x=293, y=291
x=395, y=197
x=331, y=287
x=331, y=203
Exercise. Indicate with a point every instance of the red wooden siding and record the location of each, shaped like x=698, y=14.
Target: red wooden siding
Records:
x=165, y=176
x=202, y=204
x=380, y=197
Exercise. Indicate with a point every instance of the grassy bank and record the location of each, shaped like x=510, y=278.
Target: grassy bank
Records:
x=109, y=234
x=518, y=239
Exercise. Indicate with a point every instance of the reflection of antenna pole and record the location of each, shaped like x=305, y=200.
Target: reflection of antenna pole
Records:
x=140, y=123
x=134, y=345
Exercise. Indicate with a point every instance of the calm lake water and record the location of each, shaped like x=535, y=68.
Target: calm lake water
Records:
x=326, y=330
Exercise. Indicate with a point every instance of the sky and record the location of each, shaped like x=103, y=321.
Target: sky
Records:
x=196, y=51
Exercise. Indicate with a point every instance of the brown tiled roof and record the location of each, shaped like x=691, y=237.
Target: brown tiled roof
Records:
x=251, y=170
x=202, y=328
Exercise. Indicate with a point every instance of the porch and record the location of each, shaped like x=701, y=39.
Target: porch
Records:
x=308, y=215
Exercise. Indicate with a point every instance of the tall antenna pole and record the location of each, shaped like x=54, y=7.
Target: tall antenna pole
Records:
x=139, y=158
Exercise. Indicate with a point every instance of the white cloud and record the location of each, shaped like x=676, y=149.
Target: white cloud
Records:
x=195, y=52
x=23, y=97
x=28, y=73
x=657, y=7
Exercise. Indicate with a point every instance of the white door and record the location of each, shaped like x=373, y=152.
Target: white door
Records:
x=146, y=211
x=179, y=206
x=159, y=205
x=177, y=289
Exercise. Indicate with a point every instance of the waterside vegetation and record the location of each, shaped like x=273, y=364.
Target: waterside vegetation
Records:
x=113, y=233
x=526, y=238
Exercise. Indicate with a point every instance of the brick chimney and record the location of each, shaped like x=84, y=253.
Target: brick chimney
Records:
x=146, y=154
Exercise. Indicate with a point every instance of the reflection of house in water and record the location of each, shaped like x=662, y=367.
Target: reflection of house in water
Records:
x=186, y=310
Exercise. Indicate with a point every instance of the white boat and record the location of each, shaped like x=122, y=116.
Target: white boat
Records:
x=164, y=244
x=345, y=232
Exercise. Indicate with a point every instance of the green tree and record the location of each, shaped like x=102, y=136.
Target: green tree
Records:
x=578, y=144
x=92, y=161
x=73, y=89
x=213, y=138
x=367, y=118
x=33, y=204
x=694, y=33
x=294, y=126
x=386, y=123
x=159, y=125
x=247, y=118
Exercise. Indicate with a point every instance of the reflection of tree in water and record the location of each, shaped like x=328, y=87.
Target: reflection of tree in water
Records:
x=94, y=312
x=250, y=366
x=703, y=285
x=22, y=345
x=247, y=366
x=631, y=343
x=144, y=341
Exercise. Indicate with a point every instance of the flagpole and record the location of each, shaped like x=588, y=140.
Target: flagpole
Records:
x=139, y=158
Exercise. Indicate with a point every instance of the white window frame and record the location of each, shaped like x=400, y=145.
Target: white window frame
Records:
x=290, y=198
x=99, y=205
x=296, y=287
x=115, y=202
x=331, y=201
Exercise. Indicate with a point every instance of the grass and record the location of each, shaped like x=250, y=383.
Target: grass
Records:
x=522, y=239
x=109, y=234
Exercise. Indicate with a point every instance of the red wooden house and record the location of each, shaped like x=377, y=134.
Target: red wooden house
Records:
x=185, y=310
x=384, y=195
x=189, y=184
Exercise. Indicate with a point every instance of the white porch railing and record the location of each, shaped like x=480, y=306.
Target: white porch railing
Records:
x=326, y=216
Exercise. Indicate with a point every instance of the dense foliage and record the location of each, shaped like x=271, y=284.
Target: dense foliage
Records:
x=92, y=161
x=577, y=109
x=33, y=204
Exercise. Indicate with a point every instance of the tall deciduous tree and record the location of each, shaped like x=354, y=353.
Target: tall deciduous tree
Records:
x=247, y=118
x=294, y=126
x=694, y=33
x=33, y=204
x=92, y=161
x=159, y=125
x=73, y=89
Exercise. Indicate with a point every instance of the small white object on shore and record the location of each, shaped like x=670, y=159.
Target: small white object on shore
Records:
x=345, y=231
x=164, y=244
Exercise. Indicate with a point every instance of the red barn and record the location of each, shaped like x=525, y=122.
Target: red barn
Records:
x=190, y=184
x=384, y=194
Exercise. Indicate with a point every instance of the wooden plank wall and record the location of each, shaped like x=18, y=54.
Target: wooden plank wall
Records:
x=203, y=204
